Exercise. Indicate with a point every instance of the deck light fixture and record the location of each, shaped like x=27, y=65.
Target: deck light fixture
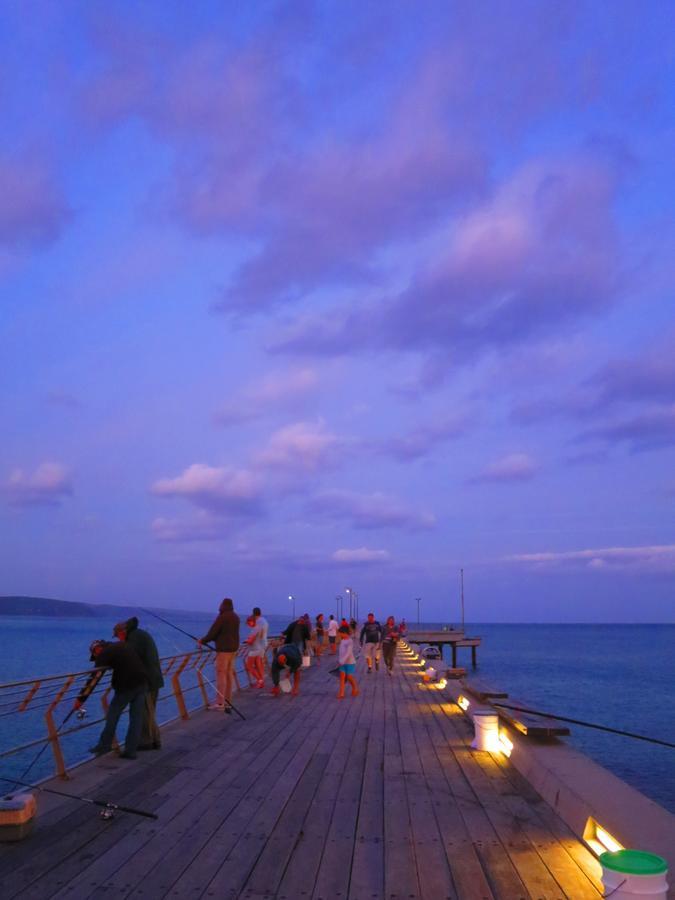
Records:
x=463, y=702
x=599, y=839
x=505, y=744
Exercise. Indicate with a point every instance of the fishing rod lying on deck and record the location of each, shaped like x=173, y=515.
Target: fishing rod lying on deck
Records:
x=109, y=808
x=196, y=639
x=630, y=734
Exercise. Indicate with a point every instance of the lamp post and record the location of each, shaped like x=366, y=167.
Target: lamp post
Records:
x=292, y=599
x=353, y=603
x=418, y=609
x=338, y=600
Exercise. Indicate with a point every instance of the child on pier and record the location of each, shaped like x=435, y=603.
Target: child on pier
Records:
x=347, y=662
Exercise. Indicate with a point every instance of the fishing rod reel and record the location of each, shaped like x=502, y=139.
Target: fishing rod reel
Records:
x=108, y=813
x=81, y=713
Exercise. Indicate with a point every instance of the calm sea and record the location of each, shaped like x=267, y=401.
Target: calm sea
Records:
x=622, y=676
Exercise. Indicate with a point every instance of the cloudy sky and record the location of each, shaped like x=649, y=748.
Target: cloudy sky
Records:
x=313, y=295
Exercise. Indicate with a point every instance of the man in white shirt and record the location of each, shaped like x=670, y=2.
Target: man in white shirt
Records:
x=332, y=633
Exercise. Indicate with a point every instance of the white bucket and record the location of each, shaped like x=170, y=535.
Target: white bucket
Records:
x=306, y=661
x=486, y=730
x=285, y=685
x=627, y=874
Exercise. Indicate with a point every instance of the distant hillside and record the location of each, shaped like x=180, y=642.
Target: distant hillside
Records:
x=46, y=606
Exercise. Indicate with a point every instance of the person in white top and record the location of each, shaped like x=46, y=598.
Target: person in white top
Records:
x=332, y=633
x=347, y=663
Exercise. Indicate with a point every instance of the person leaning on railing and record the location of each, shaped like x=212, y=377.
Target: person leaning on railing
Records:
x=130, y=683
x=144, y=645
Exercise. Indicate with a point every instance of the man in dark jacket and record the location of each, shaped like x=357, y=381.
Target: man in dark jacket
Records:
x=371, y=636
x=130, y=683
x=297, y=633
x=287, y=657
x=225, y=634
x=144, y=645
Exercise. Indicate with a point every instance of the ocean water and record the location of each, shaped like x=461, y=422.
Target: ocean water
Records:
x=622, y=676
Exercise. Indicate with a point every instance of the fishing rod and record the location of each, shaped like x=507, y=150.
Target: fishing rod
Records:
x=86, y=691
x=109, y=808
x=630, y=734
x=196, y=639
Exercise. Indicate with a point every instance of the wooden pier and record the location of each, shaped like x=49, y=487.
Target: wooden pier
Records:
x=374, y=797
x=441, y=639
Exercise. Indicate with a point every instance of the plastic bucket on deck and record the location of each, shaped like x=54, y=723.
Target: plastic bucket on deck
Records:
x=306, y=661
x=486, y=730
x=627, y=874
x=285, y=685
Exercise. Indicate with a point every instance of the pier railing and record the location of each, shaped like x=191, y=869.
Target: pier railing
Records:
x=53, y=697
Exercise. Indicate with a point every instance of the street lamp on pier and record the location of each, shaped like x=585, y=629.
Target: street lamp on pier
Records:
x=418, y=609
x=338, y=600
x=353, y=603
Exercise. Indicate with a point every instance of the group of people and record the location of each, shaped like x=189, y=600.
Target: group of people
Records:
x=137, y=675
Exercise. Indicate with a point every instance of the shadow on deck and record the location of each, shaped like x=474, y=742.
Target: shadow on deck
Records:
x=373, y=797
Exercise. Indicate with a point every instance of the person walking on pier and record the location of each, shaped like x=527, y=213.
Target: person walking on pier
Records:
x=332, y=633
x=288, y=656
x=347, y=662
x=225, y=634
x=320, y=632
x=130, y=683
x=144, y=644
x=371, y=637
x=390, y=639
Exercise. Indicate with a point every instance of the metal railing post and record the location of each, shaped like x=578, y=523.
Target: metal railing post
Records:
x=53, y=731
x=178, y=690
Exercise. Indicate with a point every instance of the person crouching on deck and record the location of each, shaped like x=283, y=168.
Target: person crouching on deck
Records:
x=347, y=662
x=287, y=656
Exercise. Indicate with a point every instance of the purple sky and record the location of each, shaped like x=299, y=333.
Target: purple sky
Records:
x=301, y=296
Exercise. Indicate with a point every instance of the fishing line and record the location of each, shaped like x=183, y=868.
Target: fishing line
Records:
x=108, y=805
x=630, y=734
x=210, y=646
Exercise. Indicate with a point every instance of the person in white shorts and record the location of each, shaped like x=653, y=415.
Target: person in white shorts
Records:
x=332, y=632
x=371, y=641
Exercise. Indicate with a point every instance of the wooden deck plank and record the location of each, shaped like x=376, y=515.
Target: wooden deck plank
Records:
x=302, y=867
x=433, y=872
x=502, y=876
x=375, y=798
x=204, y=845
x=334, y=873
x=367, y=876
x=184, y=795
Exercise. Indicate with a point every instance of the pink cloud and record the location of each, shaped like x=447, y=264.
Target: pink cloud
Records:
x=33, y=210
x=514, y=467
x=48, y=485
x=658, y=558
x=204, y=527
x=541, y=252
x=268, y=394
x=221, y=490
x=302, y=446
x=370, y=511
x=361, y=556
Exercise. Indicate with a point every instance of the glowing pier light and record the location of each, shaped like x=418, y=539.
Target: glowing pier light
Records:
x=463, y=702
x=505, y=744
x=599, y=839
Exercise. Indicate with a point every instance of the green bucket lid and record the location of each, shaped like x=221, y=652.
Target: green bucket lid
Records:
x=634, y=862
